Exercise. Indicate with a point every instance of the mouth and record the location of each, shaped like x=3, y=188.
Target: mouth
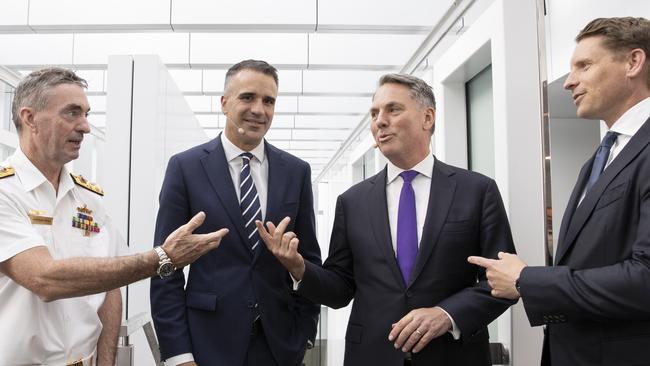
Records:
x=75, y=142
x=383, y=138
x=254, y=122
x=577, y=97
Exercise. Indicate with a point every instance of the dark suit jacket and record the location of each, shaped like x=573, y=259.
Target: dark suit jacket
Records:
x=227, y=287
x=465, y=217
x=596, y=299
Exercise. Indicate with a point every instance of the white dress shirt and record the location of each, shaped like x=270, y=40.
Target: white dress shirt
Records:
x=33, y=214
x=626, y=127
x=422, y=187
x=260, y=174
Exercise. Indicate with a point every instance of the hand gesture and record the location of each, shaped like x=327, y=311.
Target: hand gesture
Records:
x=501, y=274
x=183, y=247
x=284, y=246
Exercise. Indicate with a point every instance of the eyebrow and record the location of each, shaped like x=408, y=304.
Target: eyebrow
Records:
x=74, y=106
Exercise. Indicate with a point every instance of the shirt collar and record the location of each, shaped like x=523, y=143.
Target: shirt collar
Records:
x=632, y=120
x=233, y=152
x=425, y=167
x=31, y=177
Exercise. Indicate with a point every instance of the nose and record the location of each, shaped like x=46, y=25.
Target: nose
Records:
x=257, y=107
x=570, y=83
x=380, y=119
x=83, y=126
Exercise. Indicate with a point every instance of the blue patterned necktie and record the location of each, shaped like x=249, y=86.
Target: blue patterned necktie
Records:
x=249, y=201
x=407, y=230
x=602, y=154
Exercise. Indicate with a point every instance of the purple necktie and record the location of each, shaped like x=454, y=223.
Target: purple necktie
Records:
x=407, y=230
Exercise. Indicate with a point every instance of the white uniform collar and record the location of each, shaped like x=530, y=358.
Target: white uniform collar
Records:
x=632, y=120
x=425, y=167
x=31, y=177
x=233, y=152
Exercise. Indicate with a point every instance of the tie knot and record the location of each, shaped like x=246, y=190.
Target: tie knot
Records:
x=608, y=140
x=408, y=175
x=247, y=157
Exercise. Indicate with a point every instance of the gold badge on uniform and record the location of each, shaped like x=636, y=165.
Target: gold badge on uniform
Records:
x=84, y=221
x=38, y=217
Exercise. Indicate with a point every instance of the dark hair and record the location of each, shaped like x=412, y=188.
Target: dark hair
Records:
x=33, y=90
x=621, y=35
x=256, y=65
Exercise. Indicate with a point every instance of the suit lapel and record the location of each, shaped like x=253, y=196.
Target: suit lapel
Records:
x=636, y=144
x=380, y=225
x=441, y=195
x=216, y=168
x=278, y=172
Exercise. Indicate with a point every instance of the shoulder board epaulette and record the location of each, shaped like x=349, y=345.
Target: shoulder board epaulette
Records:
x=6, y=171
x=81, y=181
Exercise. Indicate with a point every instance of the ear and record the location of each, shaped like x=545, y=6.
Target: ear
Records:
x=26, y=116
x=636, y=60
x=429, y=118
x=223, y=104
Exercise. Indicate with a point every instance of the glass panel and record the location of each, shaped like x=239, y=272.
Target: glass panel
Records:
x=480, y=123
x=6, y=97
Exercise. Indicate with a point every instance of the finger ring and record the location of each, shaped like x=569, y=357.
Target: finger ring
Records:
x=418, y=332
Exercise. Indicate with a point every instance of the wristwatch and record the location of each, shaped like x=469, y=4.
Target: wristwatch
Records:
x=165, y=266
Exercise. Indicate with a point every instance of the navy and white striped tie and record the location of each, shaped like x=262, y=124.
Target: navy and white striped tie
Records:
x=249, y=202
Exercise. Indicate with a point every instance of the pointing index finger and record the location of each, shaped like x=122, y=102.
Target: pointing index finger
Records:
x=481, y=261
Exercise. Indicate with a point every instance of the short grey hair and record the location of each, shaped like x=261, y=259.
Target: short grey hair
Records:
x=33, y=90
x=419, y=90
x=255, y=65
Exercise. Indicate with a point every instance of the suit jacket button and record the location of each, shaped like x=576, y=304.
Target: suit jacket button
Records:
x=251, y=304
x=409, y=294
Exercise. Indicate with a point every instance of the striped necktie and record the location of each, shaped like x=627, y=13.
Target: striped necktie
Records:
x=249, y=201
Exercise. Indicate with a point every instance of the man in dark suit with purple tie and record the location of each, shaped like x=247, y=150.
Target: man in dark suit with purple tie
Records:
x=595, y=299
x=399, y=244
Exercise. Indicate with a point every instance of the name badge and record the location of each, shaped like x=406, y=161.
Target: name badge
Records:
x=39, y=217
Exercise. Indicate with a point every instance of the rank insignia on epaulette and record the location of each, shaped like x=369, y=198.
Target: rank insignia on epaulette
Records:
x=84, y=221
x=6, y=171
x=81, y=181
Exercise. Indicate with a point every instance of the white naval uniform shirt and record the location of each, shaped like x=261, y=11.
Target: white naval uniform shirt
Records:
x=35, y=332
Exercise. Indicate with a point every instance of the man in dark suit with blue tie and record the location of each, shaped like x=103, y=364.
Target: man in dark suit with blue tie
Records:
x=399, y=244
x=595, y=300
x=237, y=307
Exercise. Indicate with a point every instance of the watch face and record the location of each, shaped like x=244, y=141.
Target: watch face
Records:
x=166, y=269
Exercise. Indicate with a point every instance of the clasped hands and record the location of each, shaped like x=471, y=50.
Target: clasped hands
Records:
x=411, y=333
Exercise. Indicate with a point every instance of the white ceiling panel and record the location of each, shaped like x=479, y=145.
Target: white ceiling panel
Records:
x=334, y=135
x=362, y=50
x=188, y=80
x=94, y=48
x=311, y=153
x=35, y=49
x=200, y=103
x=379, y=14
x=286, y=104
x=14, y=15
x=213, y=81
x=95, y=79
x=98, y=14
x=97, y=103
x=328, y=104
x=283, y=121
x=278, y=134
x=310, y=145
x=224, y=50
x=340, y=81
x=327, y=122
x=290, y=81
x=208, y=120
x=260, y=14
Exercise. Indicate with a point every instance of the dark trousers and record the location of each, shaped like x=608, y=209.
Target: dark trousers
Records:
x=259, y=353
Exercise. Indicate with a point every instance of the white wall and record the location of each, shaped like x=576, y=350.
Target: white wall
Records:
x=148, y=120
x=566, y=18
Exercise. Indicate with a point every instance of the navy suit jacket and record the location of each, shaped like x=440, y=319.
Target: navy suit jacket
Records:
x=465, y=217
x=596, y=299
x=212, y=316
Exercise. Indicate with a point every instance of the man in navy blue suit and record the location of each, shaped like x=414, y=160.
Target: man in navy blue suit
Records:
x=399, y=244
x=237, y=307
x=595, y=299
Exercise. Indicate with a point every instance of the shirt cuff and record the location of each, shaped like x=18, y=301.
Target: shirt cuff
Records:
x=179, y=359
x=296, y=283
x=454, y=331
